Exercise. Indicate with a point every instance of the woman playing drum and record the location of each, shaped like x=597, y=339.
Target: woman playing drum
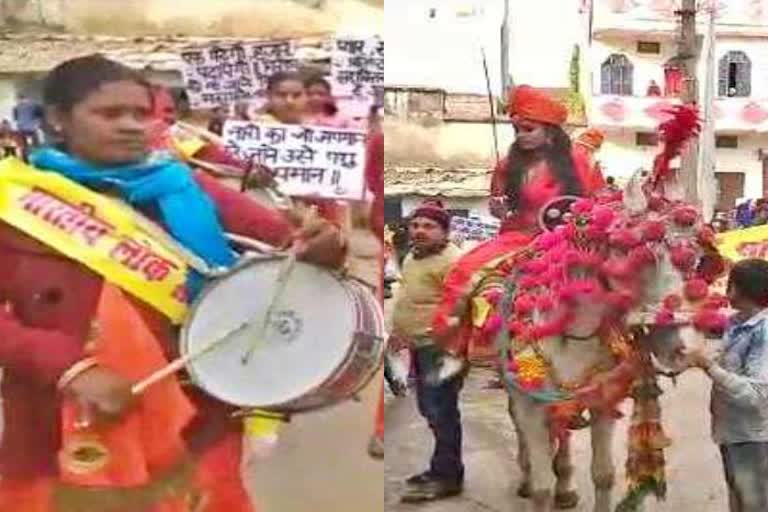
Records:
x=81, y=322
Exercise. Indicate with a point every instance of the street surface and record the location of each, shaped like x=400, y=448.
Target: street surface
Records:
x=321, y=463
x=694, y=471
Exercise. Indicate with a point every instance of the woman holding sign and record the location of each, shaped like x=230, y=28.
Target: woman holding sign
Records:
x=286, y=99
x=287, y=102
x=92, y=298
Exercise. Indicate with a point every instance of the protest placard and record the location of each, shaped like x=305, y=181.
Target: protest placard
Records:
x=357, y=73
x=226, y=74
x=475, y=227
x=307, y=160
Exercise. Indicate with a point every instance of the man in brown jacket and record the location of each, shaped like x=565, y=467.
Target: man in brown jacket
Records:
x=423, y=272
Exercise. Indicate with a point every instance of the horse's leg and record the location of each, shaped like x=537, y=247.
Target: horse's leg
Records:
x=603, y=472
x=565, y=496
x=533, y=427
x=523, y=459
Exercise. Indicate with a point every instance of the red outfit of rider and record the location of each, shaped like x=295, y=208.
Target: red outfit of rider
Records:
x=452, y=324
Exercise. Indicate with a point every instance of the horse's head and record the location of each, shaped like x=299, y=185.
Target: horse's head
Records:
x=676, y=301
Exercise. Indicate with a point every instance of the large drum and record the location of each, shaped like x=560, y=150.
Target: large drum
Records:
x=323, y=342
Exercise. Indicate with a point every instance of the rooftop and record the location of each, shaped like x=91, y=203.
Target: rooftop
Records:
x=465, y=107
x=432, y=181
x=37, y=53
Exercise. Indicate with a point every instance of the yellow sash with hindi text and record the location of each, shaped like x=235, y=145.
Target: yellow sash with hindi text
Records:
x=105, y=235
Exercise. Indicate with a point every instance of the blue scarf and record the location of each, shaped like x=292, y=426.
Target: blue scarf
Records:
x=163, y=185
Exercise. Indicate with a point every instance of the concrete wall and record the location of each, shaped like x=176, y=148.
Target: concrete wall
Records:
x=620, y=157
x=742, y=17
x=445, y=144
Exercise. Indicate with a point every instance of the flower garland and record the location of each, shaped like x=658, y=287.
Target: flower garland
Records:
x=646, y=443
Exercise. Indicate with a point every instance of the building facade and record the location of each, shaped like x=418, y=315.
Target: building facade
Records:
x=635, y=76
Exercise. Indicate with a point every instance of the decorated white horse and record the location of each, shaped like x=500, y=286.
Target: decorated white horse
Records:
x=586, y=315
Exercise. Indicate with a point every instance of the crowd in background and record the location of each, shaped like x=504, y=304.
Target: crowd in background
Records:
x=746, y=214
x=17, y=138
x=304, y=98
x=294, y=98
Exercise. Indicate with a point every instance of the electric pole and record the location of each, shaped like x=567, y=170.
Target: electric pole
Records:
x=688, y=55
x=505, y=81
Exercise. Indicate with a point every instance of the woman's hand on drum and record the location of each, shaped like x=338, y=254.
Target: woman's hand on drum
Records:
x=259, y=176
x=103, y=395
x=321, y=243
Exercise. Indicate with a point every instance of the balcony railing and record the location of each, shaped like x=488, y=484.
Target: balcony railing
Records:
x=646, y=113
x=642, y=113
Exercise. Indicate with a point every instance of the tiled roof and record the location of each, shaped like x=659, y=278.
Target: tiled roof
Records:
x=432, y=181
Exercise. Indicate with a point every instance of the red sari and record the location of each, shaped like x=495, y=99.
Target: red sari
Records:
x=453, y=326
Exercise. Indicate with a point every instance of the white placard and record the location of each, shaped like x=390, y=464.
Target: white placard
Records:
x=307, y=160
x=357, y=73
x=226, y=74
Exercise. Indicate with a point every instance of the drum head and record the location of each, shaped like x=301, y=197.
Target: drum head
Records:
x=308, y=337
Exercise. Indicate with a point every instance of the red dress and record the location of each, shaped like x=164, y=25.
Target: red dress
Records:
x=374, y=170
x=452, y=323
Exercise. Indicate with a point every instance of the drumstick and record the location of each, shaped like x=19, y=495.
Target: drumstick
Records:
x=256, y=245
x=181, y=362
x=280, y=285
x=228, y=171
x=202, y=133
x=224, y=170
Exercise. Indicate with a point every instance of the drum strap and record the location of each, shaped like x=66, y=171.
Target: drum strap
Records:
x=108, y=237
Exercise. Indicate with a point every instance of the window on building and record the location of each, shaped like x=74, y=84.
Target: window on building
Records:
x=646, y=139
x=616, y=76
x=727, y=141
x=648, y=47
x=730, y=187
x=735, y=75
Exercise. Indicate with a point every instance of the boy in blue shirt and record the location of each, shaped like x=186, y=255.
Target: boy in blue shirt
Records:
x=739, y=373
